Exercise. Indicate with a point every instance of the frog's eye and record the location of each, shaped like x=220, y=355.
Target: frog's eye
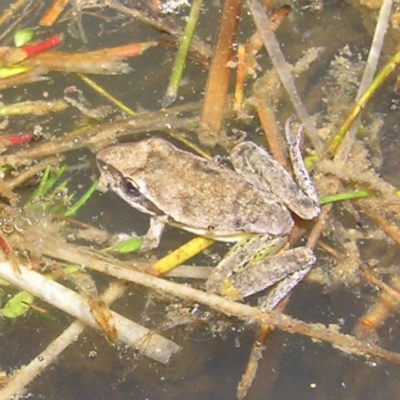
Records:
x=131, y=187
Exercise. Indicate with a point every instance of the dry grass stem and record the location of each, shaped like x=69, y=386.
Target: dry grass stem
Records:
x=255, y=43
x=32, y=171
x=264, y=92
x=264, y=27
x=378, y=312
x=11, y=10
x=198, y=50
x=349, y=165
x=53, y=12
x=157, y=348
x=244, y=312
x=26, y=374
x=103, y=134
x=214, y=102
x=390, y=229
x=30, y=76
x=368, y=75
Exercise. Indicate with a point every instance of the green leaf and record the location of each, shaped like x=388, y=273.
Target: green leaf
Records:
x=23, y=36
x=18, y=305
x=309, y=162
x=128, y=246
x=81, y=202
x=360, y=194
x=71, y=270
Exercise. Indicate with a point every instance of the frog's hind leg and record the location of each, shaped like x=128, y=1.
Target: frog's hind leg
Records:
x=285, y=270
x=284, y=287
x=238, y=259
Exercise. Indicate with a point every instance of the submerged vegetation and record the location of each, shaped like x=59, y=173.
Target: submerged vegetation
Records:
x=161, y=67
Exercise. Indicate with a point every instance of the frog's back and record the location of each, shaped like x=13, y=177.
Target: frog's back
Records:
x=196, y=194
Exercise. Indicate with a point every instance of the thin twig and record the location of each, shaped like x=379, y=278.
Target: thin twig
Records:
x=244, y=312
x=200, y=50
x=28, y=373
x=218, y=77
x=378, y=312
x=264, y=27
x=32, y=171
x=369, y=72
x=11, y=10
x=180, y=58
x=105, y=134
x=157, y=348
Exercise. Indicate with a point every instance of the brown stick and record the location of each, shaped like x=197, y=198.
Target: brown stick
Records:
x=266, y=115
x=346, y=343
x=218, y=77
x=53, y=12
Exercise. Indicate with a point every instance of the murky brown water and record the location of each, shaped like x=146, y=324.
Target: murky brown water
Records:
x=210, y=367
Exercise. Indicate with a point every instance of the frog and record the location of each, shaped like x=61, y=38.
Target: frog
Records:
x=250, y=204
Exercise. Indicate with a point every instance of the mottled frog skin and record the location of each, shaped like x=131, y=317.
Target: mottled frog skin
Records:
x=188, y=191
x=209, y=199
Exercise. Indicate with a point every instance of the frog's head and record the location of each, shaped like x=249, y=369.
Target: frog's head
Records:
x=117, y=174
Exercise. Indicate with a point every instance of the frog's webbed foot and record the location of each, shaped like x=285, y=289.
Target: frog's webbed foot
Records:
x=284, y=286
x=285, y=270
x=152, y=238
x=302, y=176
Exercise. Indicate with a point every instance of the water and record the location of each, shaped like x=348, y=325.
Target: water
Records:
x=210, y=366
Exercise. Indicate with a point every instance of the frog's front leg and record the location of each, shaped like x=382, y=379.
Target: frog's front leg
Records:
x=151, y=239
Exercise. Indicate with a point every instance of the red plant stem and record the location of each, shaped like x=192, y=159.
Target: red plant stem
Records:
x=33, y=49
x=16, y=139
x=14, y=55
